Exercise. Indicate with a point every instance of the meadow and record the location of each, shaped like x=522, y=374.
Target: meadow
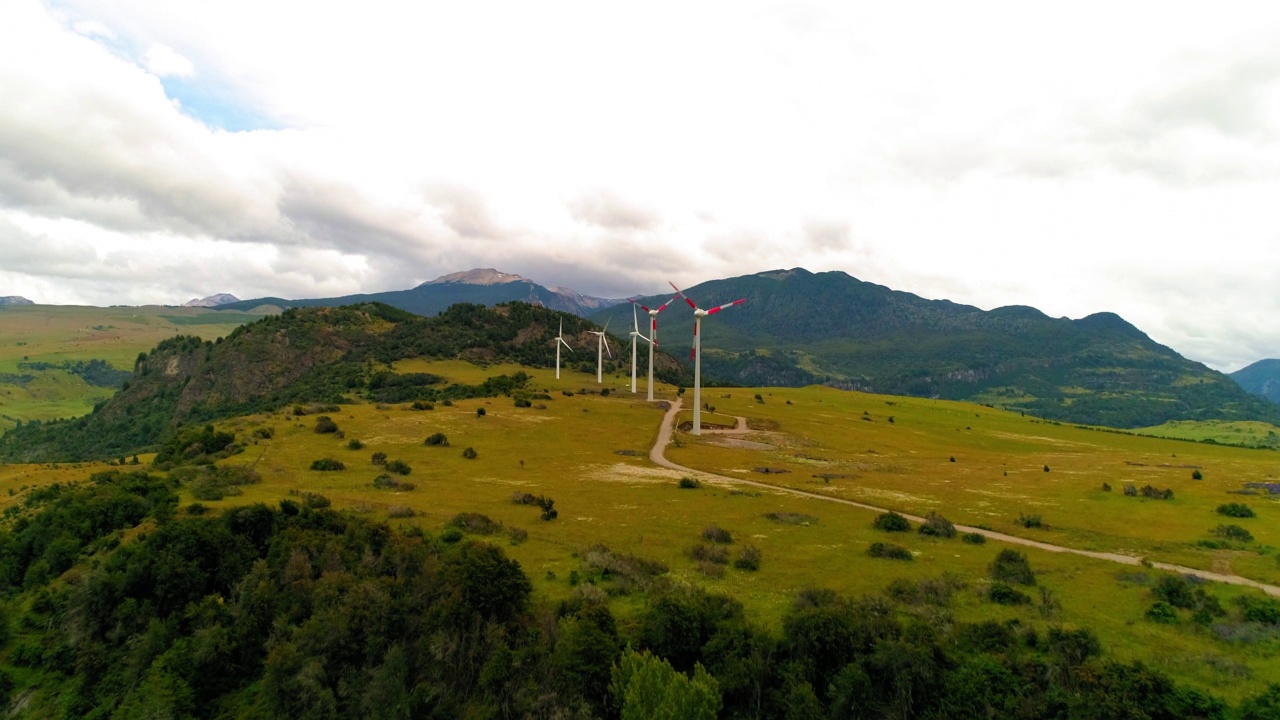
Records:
x=589, y=452
x=55, y=334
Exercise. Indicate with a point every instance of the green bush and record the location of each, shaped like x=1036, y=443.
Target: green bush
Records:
x=439, y=439
x=1236, y=510
x=717, y=534
x=325, y=424
x=1011, y=566
x=890, y=551
x=937, y=526
x=355, y=444
x=315, y=500
x=1233, y=532
x=327, y=465
x=710, y=553
x=1030, y=521
x=1004, y=594
x=974, y=538
x=422, y=405
x=688, y=483
x=399, y=467
x=1162, y=612
x=386, y=482
x=470, y=453
x=379, y=458
x=748, y=558
x=480, y=412
x=891, y=522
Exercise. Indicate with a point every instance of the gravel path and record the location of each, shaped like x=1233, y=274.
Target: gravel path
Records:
x=658, y=456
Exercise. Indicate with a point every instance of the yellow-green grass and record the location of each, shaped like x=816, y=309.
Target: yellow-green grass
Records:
x=1246, y=433
x=998, y=474
x=569, y=453
x=57, y=333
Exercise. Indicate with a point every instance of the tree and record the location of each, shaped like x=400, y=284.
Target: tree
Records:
x=648, y=688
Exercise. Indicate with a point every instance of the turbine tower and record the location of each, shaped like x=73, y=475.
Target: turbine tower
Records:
x=696, y=354
x=635, y=333
x=653, y=335
x=560, y=341
x=601, y=346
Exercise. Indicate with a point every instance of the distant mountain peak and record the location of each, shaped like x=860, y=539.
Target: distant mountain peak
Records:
x=478, y=276
x=14, y=300
x=212, y=301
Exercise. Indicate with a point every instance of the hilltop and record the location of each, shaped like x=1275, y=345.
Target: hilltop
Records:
x=307, y=355
x=1261, y=378
x=215, y=300
x=800, y=328
x=14, y=300
x=482, y=286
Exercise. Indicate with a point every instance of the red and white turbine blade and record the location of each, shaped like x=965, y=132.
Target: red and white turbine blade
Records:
x=642, y=307
x=680, y=293
x=739, y=301
x=691, y=352
x=665, y=304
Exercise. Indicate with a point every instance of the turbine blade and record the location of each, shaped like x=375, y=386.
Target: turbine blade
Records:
x=606, y=345
x=665, y=304
x=642, y=307
x=680, y=293
x=739, y=301
x=691, y=352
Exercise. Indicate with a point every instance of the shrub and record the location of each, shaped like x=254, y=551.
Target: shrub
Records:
x=688, y=483
x=325, y=424
x=1155, y=493
x=890, y=551
x=399, y=467
x=1162, y=612
x=974, y=538
x=196, y=509
x=789, y=518
x=327, y=465
x=386, y=482
x=315, y=500
x=1012, y=566
x=1004, y=594
x=448, y=536
x=422, y=405
x=1197, y=475
x=1106, y=487
x=748, y=558
x=937, y=526
x=1029, y=521
x=1046, y=468
x=264, y=433
x=379, y=458
x=1236, y=510
x=517, y=535
x=476, y=523
x=717, y=534
x=1233, y=532
x=401, y=511
x=1131, y=491
x=355, y=444
x=523, y=402
x=480, y=412
x=891, y=522
x=470, y=453
x=709, y=569
x=710, y=553
x=439, y=439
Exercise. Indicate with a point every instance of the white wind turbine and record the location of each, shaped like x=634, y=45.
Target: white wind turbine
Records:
x=635, y=334
x=601, y=346
x=653, y=335
x=696, y=354
x=560, y=341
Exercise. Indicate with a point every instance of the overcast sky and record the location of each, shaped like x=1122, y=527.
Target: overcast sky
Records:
x=1076, y=157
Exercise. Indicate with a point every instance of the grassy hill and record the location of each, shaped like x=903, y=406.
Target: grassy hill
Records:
x=309, y=606
x=308, y=355
x=799, y=328
x=1261, y=378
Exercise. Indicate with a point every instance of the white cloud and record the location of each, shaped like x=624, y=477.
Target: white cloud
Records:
x=162, y=61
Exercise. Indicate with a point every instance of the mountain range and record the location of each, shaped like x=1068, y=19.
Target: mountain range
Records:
x=14, y=300
x=482, y=286
x=215, y=300
x=1261, y=378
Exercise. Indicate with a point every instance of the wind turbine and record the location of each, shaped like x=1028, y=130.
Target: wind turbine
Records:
x=635, y=333
x=601, y=346
x=560, y=341
x=653, y=335
x=696, y=353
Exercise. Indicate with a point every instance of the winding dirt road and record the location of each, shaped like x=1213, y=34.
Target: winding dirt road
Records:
x=658, y=456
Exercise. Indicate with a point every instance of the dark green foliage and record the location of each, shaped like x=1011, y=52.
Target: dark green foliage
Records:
x=476, y=523
x=354, y=444
x=1197, y=475
x=1004, y=594
x=479, y=412
x=315, y=501
x=470, y=453
x=378, y=458
x=1233, y=532
x=1011, y=566
x=209, y=482
x=1260, y=610
x=748, y=558
x=717, y=534
x=1046, y=468
x=1030, y=521
x=974, y=538
x=688, y=483
x=890, y=551
x=1263, y=706
x=422, y=405
x=195, y=446
x=398, y=467
x=789, y=518
x=1155, y=493
x=1236, y=510
x=937, y=526
x=438, y=439
x=891, y=522
x=710, y=554
x=325, y=424
x=97, y=373
x=327, y=465
x=1162, y=612
x=386, y=482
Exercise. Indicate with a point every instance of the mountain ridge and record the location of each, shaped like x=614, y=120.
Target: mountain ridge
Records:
x=14, y=300
x=215, y=300
x=1261, y=378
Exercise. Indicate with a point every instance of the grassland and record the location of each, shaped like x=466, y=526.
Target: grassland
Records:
x=54, y=334
x=1244, y=433
x=589, y=453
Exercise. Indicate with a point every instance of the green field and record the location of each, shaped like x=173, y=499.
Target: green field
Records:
x=54, y=334
x=1242, y=433
x=590, y=453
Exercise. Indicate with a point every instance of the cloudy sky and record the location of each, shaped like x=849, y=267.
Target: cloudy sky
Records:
x=1076, y=157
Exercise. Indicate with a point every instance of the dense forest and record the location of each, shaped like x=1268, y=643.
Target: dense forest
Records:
x=118, y=604
x=309, y=355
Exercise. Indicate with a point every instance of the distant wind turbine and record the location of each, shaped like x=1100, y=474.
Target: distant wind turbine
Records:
x=696, y=353
x=635, y=335
x=560, y=341
x=601, y=346
x=653, y=335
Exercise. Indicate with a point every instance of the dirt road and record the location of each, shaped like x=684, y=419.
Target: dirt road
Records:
x=658, y=456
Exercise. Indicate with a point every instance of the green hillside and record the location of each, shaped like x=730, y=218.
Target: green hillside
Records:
x=799, y=328
x=1261, y=378
x=308, y=355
